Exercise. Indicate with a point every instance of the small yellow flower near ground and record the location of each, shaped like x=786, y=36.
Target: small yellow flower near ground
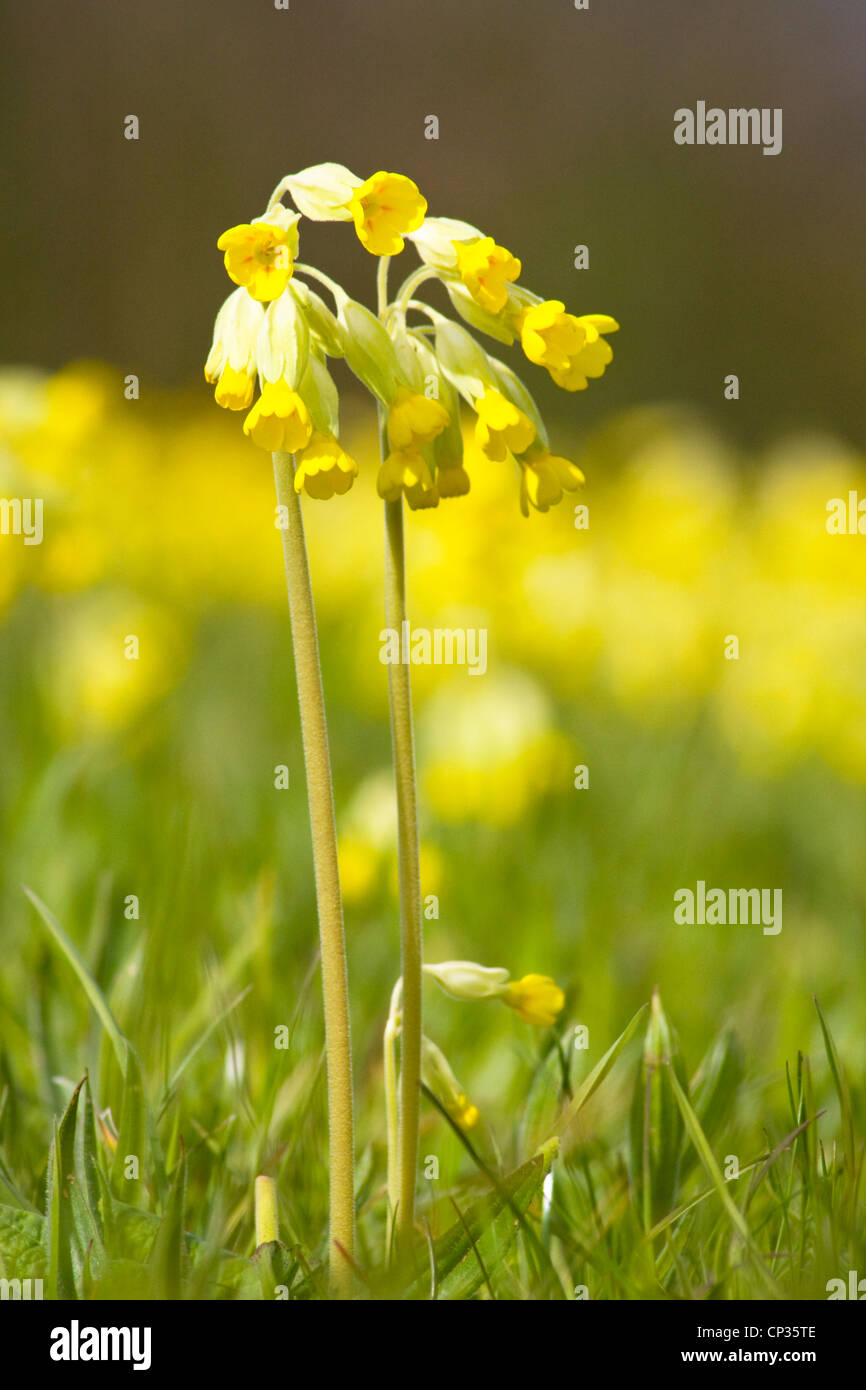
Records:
x=536, y=999
x=413, y=419
x=384, y=209
x=279, y=419
x=260, y=256
x=324, y=469
x=544, y=478
x=485, y=269
x=501, y=427
x=407, y=471
x=437, y=1074
x=463, y=1112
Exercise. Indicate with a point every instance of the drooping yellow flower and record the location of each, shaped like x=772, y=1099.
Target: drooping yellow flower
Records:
x=413, y=419
x=324, y=469
x=549, y=336
x=544, y=478
x=384, y=209
x=231, y=362
x=260, y=256
x=279, y=420
x=536, y=999
x=501, y=427
x=407, y=471
x=570, y=347
x=485, y=269
x=593, y=357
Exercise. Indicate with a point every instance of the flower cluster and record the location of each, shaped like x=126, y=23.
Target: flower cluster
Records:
x=275, y=331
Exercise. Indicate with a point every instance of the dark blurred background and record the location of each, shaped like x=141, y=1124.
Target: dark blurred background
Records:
x=556, y=128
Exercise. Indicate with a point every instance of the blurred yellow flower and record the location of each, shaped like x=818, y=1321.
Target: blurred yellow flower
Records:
x=407, y=471
x=385, y=208
x=536, y=999
x=544, y=478
x=113, y=655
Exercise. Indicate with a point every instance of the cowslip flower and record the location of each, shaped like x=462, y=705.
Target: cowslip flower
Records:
x=593, y=357
x=544, y=478
x=279, y=420
x=437, y=1074
x=485, y=270
x=536, y=998
x=385, y=207
x=413, y=419
x=231, y=362
x=260, y=255
x=549, y=336
x=407, y=471
x=323, y=469
x=501, y=427
x=570, y=347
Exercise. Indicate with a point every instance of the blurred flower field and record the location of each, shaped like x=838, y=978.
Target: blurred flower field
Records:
x=154, y=777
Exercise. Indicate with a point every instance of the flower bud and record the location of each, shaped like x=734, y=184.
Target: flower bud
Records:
x=322, y=192
x=463, y=979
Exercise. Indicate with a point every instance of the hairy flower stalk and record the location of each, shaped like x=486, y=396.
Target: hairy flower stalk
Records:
x=408, y=857
x=320, y=794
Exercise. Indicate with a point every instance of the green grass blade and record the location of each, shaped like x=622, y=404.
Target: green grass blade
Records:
x=88, y=984
x=599, y=1072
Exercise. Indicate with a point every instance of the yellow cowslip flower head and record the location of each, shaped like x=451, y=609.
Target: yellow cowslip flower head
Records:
x=485, y=269
x=437, y=1074
x=323, y=469
x=464, y=979
x=279, y=420
x=407, y=471
x=413, y=419
x=544, y=478
x=231, y=362
x=385, y=207
x=260, y=255
x=501, y=427
x=536, y=999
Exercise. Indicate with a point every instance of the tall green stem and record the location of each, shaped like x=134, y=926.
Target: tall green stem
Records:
x=403, y=744
x=320, y=793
